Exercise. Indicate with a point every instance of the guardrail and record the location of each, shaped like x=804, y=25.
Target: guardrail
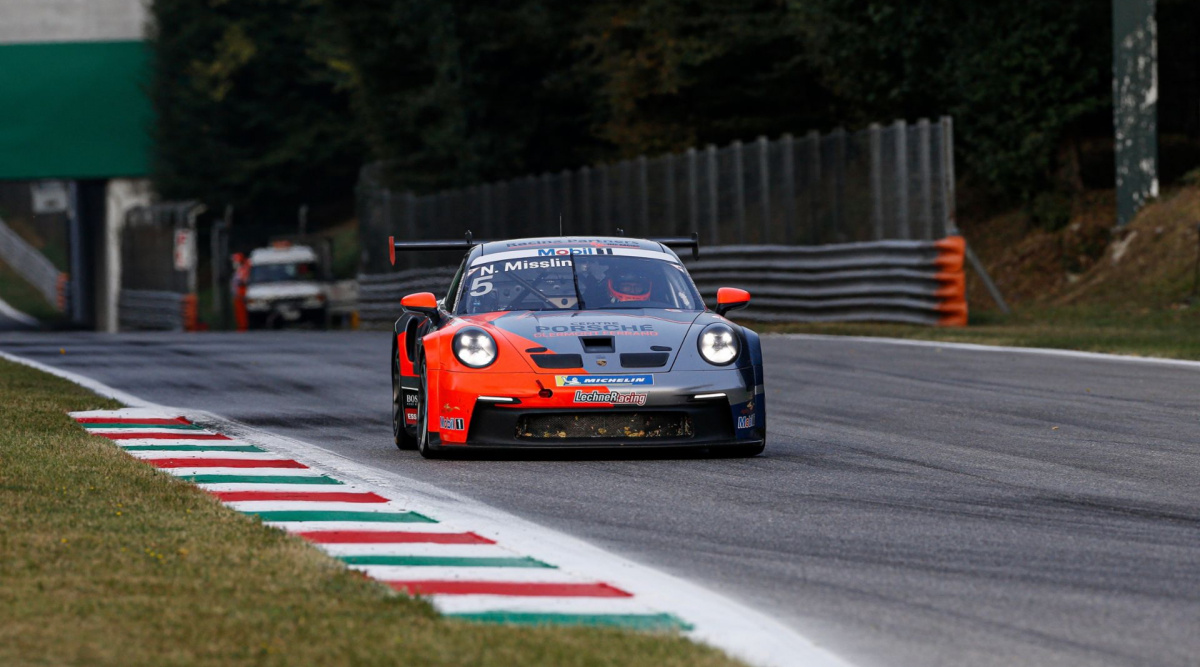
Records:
x=379, y=295
x=914, y=282
x=157, y=310
x=34, y=267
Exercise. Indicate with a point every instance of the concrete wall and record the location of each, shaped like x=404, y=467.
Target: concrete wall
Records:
x=37, y=21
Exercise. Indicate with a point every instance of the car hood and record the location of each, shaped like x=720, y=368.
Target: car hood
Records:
x=606, y=341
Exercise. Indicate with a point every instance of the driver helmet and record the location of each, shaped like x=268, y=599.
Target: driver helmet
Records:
x=628, y=286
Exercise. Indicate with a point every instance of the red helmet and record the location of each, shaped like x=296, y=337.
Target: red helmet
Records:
x=629, y=287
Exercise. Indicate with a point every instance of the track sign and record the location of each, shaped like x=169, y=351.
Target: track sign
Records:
x=185, y=249
x=49, y=197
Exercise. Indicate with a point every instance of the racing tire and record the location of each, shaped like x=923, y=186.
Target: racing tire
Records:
x=427, y=449
x=404, y=440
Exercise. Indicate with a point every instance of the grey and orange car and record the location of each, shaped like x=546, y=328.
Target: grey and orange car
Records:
x=591, y=342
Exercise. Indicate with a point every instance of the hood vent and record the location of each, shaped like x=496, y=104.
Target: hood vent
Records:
x=644, y=359
x=553, y=361
x=594, y=344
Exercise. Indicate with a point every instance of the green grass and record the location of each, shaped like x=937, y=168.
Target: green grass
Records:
x=106, y=561
x=1170, y=333
x=22, y=296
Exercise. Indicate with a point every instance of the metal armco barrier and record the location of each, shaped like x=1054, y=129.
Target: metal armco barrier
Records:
x=157, y=310
x=916, y=282
x=34, y=268
x=379, y=295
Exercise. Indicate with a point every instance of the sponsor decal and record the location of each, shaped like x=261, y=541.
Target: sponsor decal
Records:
x=599, y=244
x=603, y=380
x=613, y=397
x=410, y=416
x=583, y=329
x=410, y=398
x=452, y=423
x=745, y=422
x=552, y=252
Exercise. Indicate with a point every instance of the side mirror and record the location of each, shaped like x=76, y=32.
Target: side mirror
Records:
x=729, y=298
x=424, y=303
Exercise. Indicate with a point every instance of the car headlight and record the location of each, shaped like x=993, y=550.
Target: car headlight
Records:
x=718, y=344
x=474, y=347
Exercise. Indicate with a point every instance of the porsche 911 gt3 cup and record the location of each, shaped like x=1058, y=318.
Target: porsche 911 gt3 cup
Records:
x=574, y=343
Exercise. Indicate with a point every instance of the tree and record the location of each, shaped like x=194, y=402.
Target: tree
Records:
x=1019, y=76
x=246, y=113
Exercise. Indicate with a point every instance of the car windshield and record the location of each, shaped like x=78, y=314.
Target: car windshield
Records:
x=579, y=282
x=279, y=273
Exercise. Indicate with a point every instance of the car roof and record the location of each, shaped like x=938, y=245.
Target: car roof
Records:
x=284, y=255
x=493, y=247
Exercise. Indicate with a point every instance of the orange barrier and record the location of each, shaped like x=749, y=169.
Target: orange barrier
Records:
x=190, y=312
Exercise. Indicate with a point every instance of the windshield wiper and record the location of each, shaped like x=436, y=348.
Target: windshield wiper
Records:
x=575, y=281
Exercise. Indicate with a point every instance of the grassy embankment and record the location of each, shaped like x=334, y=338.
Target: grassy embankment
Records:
x=104, y=560
x=21, y=295
x=1080, y=287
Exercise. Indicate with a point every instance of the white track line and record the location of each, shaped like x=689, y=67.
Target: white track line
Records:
x=975, y=347
x=14, y=314
x=543, y=575
x=747, y=634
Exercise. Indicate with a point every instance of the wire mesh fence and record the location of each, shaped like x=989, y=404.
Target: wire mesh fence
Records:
x=882, y=182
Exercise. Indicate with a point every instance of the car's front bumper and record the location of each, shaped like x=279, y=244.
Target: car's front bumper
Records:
x=712, y=408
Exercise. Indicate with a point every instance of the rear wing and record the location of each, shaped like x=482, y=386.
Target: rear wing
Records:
x=466, y=243
x=692, y=242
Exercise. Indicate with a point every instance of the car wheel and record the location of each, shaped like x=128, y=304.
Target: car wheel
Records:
x=426, y=448
x=404, y=440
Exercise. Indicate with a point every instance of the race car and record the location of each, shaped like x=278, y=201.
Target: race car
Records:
x=573, y=343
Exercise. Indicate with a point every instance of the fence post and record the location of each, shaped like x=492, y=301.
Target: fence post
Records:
x=644, y=195
x=605, y=220
x=839, y=181
x=668, y=162
x=926, y=228
x=764, y=192
x=486, y=213
x=550, y=219
x=875, y=133
x=787, y=145
x=502, y=209
x=710, y=155
x=565, y=215
x=693, y=192
x=949, y=224
x=739, y=191
x=379, y=234
x=585, y=199
x=625, y=218
x=902, y=224
x=813, y=139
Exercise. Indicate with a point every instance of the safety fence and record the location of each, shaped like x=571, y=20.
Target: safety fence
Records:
x=915, y=282
x=34, y=268
x=156, y=310
x=379, y=296
x=882, y=182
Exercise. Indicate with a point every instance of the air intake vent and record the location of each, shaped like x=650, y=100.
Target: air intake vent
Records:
x=557, y=360
x=597, y=343
x=644, y=359
x=604, y=425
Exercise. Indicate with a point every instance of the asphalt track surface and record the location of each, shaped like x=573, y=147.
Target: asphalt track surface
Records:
x=915, y=505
